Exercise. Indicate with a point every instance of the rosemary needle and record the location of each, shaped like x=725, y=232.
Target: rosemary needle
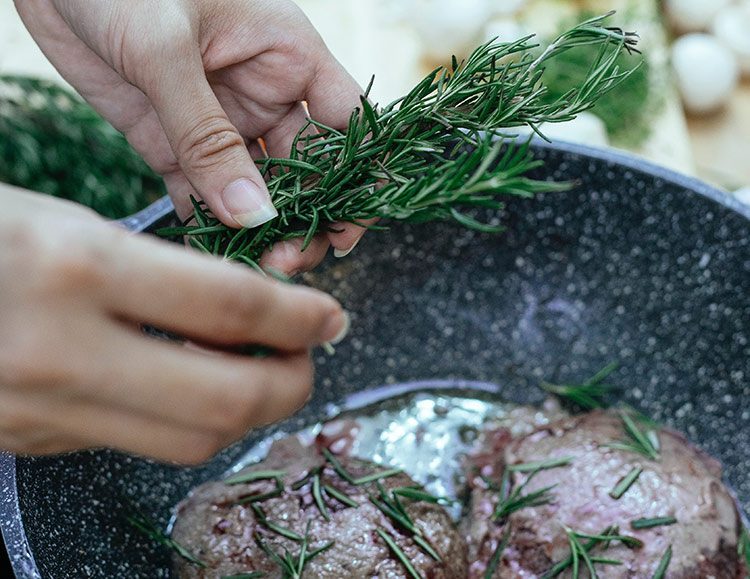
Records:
x=400, y=555
x=649, y=523
x=666, y=559
x=625, y=483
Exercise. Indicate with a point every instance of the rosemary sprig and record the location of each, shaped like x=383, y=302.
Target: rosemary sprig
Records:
x=392, y=507
x=148, y=528
x=646, y=444
x=580, y=551
x=292, y=566
x=589, y=394
x=442, y=149
x=399, y=553
x=343, y=473
x=497, y=555
x=666, y=559
x=649, y=523
x=624, y=484
x=515, y=500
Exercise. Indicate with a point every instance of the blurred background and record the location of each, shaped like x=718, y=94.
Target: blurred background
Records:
x=687, y=107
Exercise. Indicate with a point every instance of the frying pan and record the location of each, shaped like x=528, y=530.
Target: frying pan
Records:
x=636, y=264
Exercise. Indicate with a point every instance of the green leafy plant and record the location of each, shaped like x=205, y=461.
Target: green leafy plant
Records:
x=51, y=141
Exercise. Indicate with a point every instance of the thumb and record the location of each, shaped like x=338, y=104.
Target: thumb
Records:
x=209, y=149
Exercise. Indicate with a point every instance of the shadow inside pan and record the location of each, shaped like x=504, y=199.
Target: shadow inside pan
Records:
x=635, y=264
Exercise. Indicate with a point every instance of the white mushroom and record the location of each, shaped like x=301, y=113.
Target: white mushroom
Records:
x=692, y=15
x=706, y=72
x=732, y=27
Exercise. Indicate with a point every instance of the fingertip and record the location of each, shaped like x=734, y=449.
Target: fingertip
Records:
x=248, y=203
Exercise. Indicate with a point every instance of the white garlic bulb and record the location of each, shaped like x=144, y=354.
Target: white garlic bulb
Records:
x=706, y=72
x=692, y=15
x=447, y=27
x=732, y=26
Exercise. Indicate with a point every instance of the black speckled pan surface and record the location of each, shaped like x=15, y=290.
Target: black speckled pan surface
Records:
x=636, y=264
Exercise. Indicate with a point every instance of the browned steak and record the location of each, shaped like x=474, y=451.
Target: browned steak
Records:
x=682, y=482
x=233, y=538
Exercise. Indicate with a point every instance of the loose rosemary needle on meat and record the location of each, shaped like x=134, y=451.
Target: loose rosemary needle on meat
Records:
x=446, y=147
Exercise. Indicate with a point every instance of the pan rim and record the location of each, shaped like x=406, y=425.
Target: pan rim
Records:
x=17, y=545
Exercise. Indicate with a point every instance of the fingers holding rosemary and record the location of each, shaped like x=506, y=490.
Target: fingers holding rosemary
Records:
x=76, y=372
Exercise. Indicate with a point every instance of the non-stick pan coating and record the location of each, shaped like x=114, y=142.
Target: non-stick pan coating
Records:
x=636, y=264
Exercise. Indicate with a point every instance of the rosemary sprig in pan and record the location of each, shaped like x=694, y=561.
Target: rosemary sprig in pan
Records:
x=149, y=529
x=624, y=484
x=514, y=500
x=587, y=395
x=644, y=443
x=292, y=566
x=581, y=545
x=440, y=150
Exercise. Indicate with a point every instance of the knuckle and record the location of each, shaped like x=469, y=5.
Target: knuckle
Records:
x=29, y=360
x=237, y=309
x=17, y=424
x=232, y=413
x=209, y=142
x=81, y=266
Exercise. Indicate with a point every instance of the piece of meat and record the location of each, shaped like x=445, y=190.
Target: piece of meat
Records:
x=223, y=534
x=683, y=483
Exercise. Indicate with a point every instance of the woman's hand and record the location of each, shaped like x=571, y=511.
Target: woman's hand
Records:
x=76, y=372
x=191, y=82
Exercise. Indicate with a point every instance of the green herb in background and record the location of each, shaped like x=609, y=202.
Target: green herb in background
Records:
x=626, y=113
x=51, y=141
x=430, y=155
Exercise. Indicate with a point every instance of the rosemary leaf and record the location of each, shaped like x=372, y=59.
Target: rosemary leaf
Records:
x=743, y=548
x=241, y=478
x=417, y=494
x=427, y=548
x=497, y=555
x=649, y=523
x=341, y=497
x=541, y=464
x=625, y=483
x=376, y=476
x=399, y=553
x=666, y=559
x=318, y=497
x=251, y=575
x=148, y=528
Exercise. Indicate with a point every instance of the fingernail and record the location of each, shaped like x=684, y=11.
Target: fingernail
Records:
x=345, y=252
x=248, y=204
x=338, y=328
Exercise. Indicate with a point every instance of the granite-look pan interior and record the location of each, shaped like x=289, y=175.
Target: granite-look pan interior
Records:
x=636, y=264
